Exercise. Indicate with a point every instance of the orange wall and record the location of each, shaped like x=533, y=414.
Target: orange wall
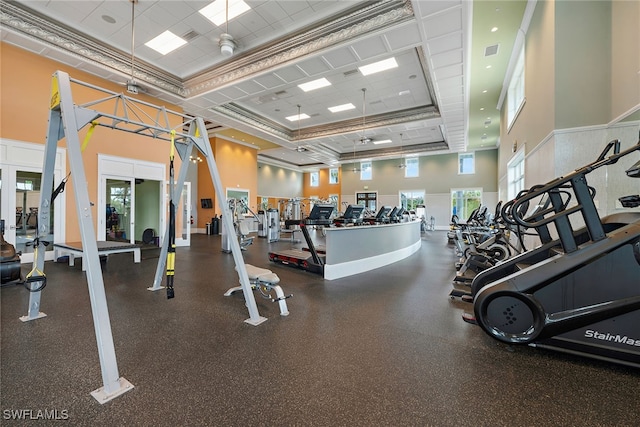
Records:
x=26, y=87
x=324, y=189
x=238, y=168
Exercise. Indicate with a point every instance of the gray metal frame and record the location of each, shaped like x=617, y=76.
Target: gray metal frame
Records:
x=65, y=120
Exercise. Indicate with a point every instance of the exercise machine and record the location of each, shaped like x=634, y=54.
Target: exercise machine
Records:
x=269, y=224
x=266, y=282
x=382, y=217
x=9, y=260
x=310, y=260
x=241, y=229
x=352, y=215
x=579, y=293
x=397, y=214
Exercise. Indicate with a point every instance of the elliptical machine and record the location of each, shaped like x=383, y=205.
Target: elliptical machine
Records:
x=579, y=293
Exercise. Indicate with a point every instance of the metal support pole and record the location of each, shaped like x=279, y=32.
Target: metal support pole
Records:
x=205, y=147
x=113, y=384
x=54, y=133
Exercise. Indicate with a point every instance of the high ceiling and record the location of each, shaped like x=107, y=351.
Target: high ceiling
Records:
x=441, y=97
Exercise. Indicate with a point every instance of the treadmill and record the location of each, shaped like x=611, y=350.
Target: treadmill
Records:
x=309, y=260
x=352, y=215
x=382, y=217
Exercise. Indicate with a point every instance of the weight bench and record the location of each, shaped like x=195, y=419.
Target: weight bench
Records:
x=264, y=280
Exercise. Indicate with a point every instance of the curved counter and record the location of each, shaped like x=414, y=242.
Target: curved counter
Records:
x=353, y=250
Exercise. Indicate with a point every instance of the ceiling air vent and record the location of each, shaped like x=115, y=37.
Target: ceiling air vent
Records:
x=491, y=50
x=350, y=72
x=190, y=35
x=270, y=97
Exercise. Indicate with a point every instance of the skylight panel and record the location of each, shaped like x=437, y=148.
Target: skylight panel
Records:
x=343, y=107
x=315, y=84
x=216, y=11
x=376, y=67
x=165, y=42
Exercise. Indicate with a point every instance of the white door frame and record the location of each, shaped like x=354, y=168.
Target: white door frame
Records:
x=29, y=157
x=102, y=207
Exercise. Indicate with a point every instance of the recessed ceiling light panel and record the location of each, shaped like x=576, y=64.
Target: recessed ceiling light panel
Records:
x=315, y=84
x=165, y=42
x=343, y=107
x=298, y=117
x=376, y=67
x=216, y=11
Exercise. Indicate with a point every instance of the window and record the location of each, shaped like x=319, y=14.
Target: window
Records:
x=515, y=175
x=314, y=179
x=411, y=169
x=464, y=201
x=365, y=171
x=411, y=199
x=333, y=176
x=367, y=199
x=515, y=94
x=466, y=163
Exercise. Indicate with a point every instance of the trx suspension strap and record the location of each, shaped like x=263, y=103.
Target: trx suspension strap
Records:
x=60, y=188
x=39, y=277
x=171, y=252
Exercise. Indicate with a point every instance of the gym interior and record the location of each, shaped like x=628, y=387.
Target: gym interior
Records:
x=245, y=271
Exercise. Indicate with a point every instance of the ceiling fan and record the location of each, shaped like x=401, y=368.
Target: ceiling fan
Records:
x=132, y=86
x=363, y=140
x=299, y=148
x=226, y=42
x=355, y=169
x=403, y=163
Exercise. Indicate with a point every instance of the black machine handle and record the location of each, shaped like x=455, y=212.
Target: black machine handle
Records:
x=561, y=182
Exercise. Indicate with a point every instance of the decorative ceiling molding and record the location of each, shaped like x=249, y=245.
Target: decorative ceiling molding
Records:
x=236, y=112
x=311, y=41
x=342, y=29
x=394, y=152
x=28, y=23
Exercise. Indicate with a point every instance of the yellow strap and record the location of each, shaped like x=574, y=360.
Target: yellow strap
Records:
x=88, y=136
x=173, y=144
x=35, y=269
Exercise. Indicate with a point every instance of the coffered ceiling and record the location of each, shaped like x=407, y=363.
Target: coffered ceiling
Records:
x=441, y=96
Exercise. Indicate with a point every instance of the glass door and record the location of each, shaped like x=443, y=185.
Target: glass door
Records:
x=19, y=202
x=119, y=220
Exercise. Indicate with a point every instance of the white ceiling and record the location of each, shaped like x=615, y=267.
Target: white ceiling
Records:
x=422, y=105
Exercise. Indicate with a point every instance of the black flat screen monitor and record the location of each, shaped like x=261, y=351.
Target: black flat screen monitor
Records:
x=353, y=212
x=383, y=212
x=399, y=212
x=321, y=212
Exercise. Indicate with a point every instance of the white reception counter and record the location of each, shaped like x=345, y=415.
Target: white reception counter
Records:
x=353, y=250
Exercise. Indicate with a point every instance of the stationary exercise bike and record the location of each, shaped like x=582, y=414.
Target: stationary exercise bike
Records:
x=579, y=293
